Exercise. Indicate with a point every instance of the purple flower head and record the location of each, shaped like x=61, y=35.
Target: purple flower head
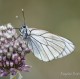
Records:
x=12, y=52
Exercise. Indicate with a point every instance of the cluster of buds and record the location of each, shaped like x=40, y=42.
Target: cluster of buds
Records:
x=12, y=52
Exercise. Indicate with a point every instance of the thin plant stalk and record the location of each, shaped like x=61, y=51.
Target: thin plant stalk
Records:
x=14, y=77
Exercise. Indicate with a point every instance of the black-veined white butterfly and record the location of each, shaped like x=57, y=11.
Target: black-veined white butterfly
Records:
x=44, y=45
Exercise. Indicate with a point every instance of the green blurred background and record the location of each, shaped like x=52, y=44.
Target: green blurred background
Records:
x=61, y=17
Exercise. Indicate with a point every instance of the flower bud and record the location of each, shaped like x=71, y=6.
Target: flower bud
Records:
x=4, y=58
x=16, y=61
x=4, y=74
x=23, y=46
x=13, y=71
x=19, y=58
x=11, y=64
x=6, y=45
x=5, y=51
x=20, y=49
x=27, y=50
x=8, y=55
x=9, y=26
x=2, y=39
x=7, y=63
x=14, y=56
x=10, y=49
x=2, y=27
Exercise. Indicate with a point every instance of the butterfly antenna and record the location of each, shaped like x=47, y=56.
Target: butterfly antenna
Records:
x=23, y=16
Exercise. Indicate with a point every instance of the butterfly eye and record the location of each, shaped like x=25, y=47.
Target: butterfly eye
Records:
x=24, y=26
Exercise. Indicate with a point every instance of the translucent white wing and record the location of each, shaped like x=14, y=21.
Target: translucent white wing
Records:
x=47, y=46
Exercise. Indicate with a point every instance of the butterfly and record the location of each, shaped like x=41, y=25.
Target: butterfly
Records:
x=44, y=45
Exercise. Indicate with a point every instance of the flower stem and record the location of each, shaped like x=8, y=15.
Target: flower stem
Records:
x=14, y=77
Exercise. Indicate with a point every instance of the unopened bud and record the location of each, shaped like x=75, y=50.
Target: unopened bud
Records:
x=7, y=63
x=19, y=49
x=11, y=64
x=9, y=25
x=14, y=56
x=2, y=39
x=9, y=55
x=10, y=49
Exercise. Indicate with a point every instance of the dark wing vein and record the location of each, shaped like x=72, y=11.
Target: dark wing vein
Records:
x=49, y=49
x=32, y=30
x=50, y=46
x=45, y=45
x=53, y=43
x=45, y=52
x=47, y=37
x=36, y=47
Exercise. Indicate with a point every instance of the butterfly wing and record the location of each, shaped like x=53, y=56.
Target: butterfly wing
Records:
x=46, y=46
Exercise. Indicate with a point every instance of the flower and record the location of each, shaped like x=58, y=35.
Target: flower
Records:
x=12, y=52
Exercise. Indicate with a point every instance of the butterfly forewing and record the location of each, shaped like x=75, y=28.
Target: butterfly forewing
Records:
x=47, y=46
x=38, y=32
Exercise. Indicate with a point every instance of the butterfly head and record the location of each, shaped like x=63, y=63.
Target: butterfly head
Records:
x=24, y=31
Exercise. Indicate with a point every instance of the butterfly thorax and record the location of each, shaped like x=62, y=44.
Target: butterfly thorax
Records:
x=24, y=31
